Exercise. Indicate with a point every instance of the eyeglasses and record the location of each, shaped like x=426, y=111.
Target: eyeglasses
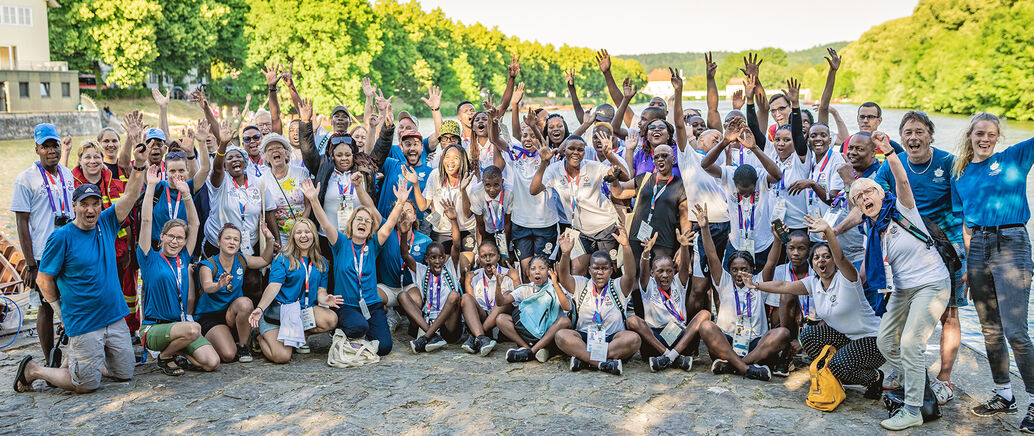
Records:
x=174, y=238
x=250, y=139
x=867, y=191
x=265, y=124
x=867, y=117
x=363, y=220
x=656, y=127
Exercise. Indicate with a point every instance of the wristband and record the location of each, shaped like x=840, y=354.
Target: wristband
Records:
x=192, y=157
x=273, y=88
x=220, y=154
x=435, y=109
x=143, y=168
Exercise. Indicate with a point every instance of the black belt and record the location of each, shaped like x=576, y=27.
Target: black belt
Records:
x=994, y=229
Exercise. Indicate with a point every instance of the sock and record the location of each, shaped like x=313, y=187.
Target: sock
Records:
x=1005, y=391
x=912, y=409
x=671, y=355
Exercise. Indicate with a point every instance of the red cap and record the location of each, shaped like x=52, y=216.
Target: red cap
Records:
x=410, y=133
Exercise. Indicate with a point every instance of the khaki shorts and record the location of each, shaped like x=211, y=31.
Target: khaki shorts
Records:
x=158, y=336
x=109, y=347
x=393, y=293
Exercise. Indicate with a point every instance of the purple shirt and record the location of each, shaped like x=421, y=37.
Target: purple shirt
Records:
x=642, y=162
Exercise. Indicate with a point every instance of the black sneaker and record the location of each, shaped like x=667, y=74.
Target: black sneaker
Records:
x=659, y=363
x=485, y=345
x=577, y=365
x=758, y=373
x=244, y=354
x=418, y=345
x=719, y=367
x=781, y=369
x=994, y=406
x=684, y=363
x=470, y=345
x=875, y=390
x=1027, y=425
x=436, y=342
x=612, y=366
x=515, y=355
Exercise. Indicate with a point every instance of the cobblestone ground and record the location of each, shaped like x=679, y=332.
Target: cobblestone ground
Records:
x=449, y=392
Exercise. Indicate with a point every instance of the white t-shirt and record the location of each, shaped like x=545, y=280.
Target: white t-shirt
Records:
x=435, y=193
x=657, y=307
x=701, y=187
x=594, y=212
x=741, y=209
x=436, y=288
x=288, y=197
x=529, y=211
x=483, y=287
x=824, y=172
x=339, y=188
x=613, y=319
x=843, y=306
x=226, y=201
x=31, y=195
x=525, y=291
x=783, y=273
x=492, y=210
x=255, y=170
x=912, y=263
x=793, y=169
x=751, y=302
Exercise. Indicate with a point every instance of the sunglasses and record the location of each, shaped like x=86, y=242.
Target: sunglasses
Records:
x=175, y=155
x=656, y=127
x=341, y=140
x=250, y=139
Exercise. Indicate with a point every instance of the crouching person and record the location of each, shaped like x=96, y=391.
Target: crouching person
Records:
x=537, y=313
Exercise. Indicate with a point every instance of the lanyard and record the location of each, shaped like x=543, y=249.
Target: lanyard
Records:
x=307, y=266
x=574, y=192
x=522, y=152
x=179, y=282
x=807, y=298
x=818, y=176
x=341, y=187
x=657, y=194
x=434, y=294
x=174, y=212
x=241, y=196
x=739, y=309
x=782, y=179
x=749, y=226
x=597, y=317
x=47, y=182
x=358, y=262
x=258, y=165
x=484, y=279
x=496, y=217
x=666, y=300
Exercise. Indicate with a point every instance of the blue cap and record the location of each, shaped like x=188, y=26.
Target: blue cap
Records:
x=154, y=133
x=45, y=131
x=86, y=191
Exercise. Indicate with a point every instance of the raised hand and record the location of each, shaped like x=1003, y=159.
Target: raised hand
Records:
x=489, y=105
x=160, y=99
x=153, y=176
x=566, y=243
x=224, y=279
x=310, y=192
x=735, y=128
x=816, y=225
x=569, y=77
x=515, y=66
x=748, y=281
x=712, y=67
x=331, y=300
x=465, y=181
x=518, y=93
x=180, y=184
x=882, y=142
x=265, y=231
x=700, y=211
x=799, y=186
x=685, y=238
x=750, y=84
x=676, y=79
x=410, y=175
x=628, y=90
x=545, y=154
x=632, y=140
x=606, y=140
x=793, y=91
x=402, y=189
x=288, y=74
x=648, y=244
x=305, y=110
x=747, y=140
x=833, y=59
x=620, y=236
x=225, y=132
x=449, y=209
x=66, y=145
x=737, y=99
x=434, y=98
x=272, y=72
x=199, y=97
x=357, y=179
x=751, y=65
x=368, y=89
x=140, y=153
x=603, y=59
x=133, y=124
x=531, y=120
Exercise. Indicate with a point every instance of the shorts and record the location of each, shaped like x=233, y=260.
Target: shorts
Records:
x=601, y=241
x=657, y=334
x=585, y=337
x=958, y=293
x=392, y=293
x=753, y=342
x=446, y=240
x=109, y=347
x=521, y=330
x=720, y=236
x=157, y=336
x=211, y=320
x=528, y=242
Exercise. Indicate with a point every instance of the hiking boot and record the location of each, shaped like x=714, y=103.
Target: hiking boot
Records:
x=757, y=372
x=515, y=355
x=304, y=349
x=659, y=363
x=902, y=419
x=994, y=406
x=418, y=345
x=1027, y=425
x=719, y=367
x=611, y=366
x=485, y=345
x=781, y=369
x=470, y=345
x=943, y=391
x=436, y=342
x=891, y=381
x=244, y=354
x=875, y=390
x=684, y=363
x=577, y=365
x=542, y=355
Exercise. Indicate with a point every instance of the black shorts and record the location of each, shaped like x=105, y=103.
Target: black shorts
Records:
x=521, y=330
x=212, y=319
x=601, y=241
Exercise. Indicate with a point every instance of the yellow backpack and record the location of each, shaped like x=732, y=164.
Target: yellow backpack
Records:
x=826, y=392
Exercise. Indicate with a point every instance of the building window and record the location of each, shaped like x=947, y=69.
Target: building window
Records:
x=23, y=89
x=44, y=89
x=16, y=16
x=66, y=89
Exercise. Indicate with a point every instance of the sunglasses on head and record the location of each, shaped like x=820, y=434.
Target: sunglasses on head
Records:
x=341, y=140
x=250, y=139
x=175, y=155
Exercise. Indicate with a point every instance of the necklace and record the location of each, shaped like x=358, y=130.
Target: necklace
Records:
x=928, y=163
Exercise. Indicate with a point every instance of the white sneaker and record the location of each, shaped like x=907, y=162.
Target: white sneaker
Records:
x=892, y=380
x=943, y=391
x=542, y=355
x=902, y=420
x=393, y=319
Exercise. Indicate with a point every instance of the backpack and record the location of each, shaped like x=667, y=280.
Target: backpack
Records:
x=895, y=399
x=611, y=291
x=826, y=392
x=937, y=239
x=539, y=311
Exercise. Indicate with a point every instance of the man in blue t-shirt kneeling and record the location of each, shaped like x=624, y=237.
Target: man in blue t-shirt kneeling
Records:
x=78, y=273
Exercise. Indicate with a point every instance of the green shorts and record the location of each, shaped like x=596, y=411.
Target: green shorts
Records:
x=156, y=338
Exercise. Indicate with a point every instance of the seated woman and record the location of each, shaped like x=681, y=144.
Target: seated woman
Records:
x=222, y=303
x=837, y=298
x=479, y=302
x=531, y=345
x=166, y=328
x=432, y=303
x=599, y=322
x=789, y=310
x=664, y=301
x=297, y=277
x=740, y=339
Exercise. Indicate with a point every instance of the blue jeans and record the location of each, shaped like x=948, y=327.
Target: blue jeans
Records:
x=999, y=271
x=354, y=325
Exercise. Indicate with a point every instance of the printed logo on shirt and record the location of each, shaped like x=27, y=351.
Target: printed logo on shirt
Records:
x=939, y=172
x=995, y=169
x=548, y=248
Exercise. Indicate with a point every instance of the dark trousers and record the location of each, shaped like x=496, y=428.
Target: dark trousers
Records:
x=354, y=325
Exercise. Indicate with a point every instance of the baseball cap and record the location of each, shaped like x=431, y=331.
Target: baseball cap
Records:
x=406, y=114
x=154, y=133
x=45, y=131
x=408, y=133
x=339, y=108
x=605, y=112
x=449, y=127
x=86, y=191
x=274, y=137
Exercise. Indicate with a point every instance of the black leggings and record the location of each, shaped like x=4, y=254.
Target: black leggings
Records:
x=854, y=363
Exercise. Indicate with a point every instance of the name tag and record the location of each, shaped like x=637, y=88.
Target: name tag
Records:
x=308, y=319
x=597, y=345
x=671, y=333
x=741, y=338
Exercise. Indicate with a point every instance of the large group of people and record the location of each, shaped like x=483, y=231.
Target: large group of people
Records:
x=631, y=234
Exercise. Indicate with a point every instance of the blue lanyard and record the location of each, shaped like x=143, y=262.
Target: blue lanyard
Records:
x=47, y=181
x=740, y=309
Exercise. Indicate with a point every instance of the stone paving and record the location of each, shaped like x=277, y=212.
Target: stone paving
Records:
x=449, y=392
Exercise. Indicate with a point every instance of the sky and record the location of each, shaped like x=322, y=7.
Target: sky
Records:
x=686, y=24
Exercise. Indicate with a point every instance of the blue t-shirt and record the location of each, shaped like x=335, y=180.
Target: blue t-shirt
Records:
x=83, y=264
x=871, y=171
x=161, y=206
x=396, y=152
x=292, y=282
x=165, y=299
x=389, y=263
x=931, y=188
x=995, y=189
x=221, y=299
x=392, y=170
x=347, y=255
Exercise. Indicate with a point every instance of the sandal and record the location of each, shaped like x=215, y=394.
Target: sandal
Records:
x=19, y=377
x=169, y=366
